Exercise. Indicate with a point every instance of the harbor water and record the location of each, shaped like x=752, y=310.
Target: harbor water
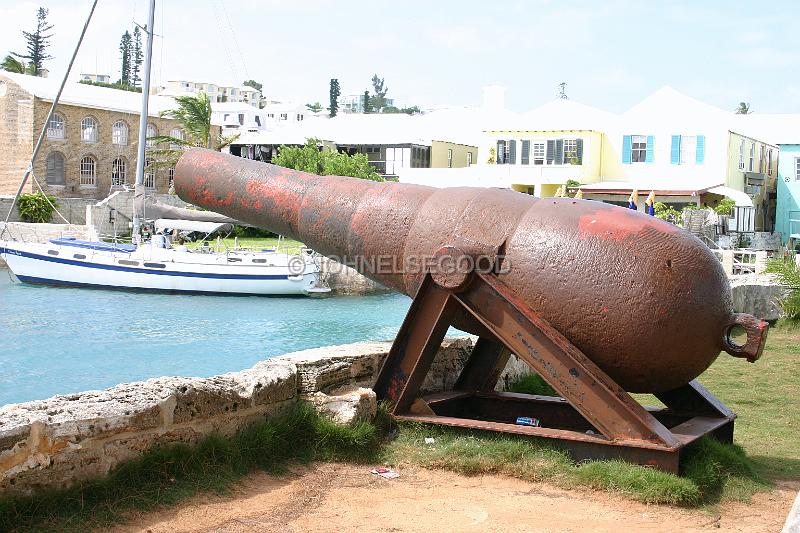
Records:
x=65, y=340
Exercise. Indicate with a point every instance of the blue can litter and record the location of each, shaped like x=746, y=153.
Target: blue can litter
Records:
x=527, y=421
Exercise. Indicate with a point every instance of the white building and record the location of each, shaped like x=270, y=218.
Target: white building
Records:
x=97, y=78
x=217, y=93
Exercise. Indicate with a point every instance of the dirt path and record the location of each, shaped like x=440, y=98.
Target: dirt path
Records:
x=339, y=498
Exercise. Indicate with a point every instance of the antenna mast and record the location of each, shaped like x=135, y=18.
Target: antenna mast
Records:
x=138, y=188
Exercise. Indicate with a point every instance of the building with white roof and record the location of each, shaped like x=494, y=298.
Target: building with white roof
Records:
x=90, y=145
x=684, y=150
x=216, y=92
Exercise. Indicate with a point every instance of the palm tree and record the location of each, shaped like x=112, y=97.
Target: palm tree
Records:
x=743, y=109
x=194, y=115
x=10, y=64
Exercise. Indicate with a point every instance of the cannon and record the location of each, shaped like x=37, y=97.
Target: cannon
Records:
x=599, y=300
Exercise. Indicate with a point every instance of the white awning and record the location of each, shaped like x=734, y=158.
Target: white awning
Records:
x=741, y=198
x=191, y=225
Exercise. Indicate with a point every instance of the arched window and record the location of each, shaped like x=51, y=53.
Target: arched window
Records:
x=177, y=134
x=119, y=133
x=55, y=127
x=119, y=172
x=151, y=132
x=89, y=130
x=89, y=171
x=55, y=168
x=149, y=175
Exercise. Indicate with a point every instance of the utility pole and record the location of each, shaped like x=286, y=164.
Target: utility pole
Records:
x=138, y=187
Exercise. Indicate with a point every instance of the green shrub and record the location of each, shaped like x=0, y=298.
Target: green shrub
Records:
x=36, y=208
x=788, y=275
x=532, y=384
x=725, y=207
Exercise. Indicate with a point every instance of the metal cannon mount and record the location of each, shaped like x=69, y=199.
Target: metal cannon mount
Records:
x=594, y=418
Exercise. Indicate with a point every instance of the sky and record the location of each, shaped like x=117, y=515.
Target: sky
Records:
x=610, y=53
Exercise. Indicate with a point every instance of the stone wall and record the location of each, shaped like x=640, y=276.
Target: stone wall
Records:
x=16, y=135
x=73, y=209
x=345, y=280
x=757, y=295
x=56, y=442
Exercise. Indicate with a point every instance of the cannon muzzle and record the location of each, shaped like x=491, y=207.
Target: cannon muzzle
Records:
x=646, y=301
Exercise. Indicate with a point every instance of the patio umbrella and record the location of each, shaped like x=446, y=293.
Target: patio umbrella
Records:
x=633, y=199
x=559, y=192
x=650, y=204
x=579, y=194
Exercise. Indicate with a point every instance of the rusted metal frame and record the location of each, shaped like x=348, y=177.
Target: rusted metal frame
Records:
x=694, y=399
x=415, y=346
x=482, y=370
x=580, y=446
x=588, y=389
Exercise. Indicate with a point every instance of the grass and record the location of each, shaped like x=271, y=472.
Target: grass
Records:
x=172, y=473
x=257, y=243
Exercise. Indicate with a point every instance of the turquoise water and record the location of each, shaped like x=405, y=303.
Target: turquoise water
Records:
x=62, y=340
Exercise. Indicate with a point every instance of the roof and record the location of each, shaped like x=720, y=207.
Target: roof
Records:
x=91, y=96
x=562, y=114
x=657, y=184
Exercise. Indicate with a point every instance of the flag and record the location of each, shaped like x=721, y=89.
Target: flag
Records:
x=633, y=200
x=650, y=204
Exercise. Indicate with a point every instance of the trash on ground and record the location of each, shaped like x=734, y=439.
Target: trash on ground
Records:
x=527, y=421
x=387, y=473
x=430, y=440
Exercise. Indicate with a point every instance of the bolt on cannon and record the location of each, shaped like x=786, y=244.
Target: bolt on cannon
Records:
x=598, y=300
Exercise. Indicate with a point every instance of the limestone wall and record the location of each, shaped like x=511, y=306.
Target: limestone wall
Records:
x=58, y=441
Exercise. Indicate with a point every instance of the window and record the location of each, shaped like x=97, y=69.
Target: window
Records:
x=752, y=157
x=571, y=152
x=507, y=152
x=149, y=174
x=538, y=153
x=177, y=134
x=525, y=157
x=119, y=172
x=119, y=133
x=88, y=177
x=449, y=158
x=797, y=169
x=688, y=150
x=638, y=148
x=55, y=127
x=741, y=155
x=55, y=168
x=258, y=120
x=761, y=156
x=469, y=159
x=299, y=117
x=151, y=132
x=769, y=162
x=89, y=130
x=271, y=115
x=171, y=177
x=241, y=119
x=284, y=116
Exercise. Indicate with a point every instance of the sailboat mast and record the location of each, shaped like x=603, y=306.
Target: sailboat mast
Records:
x=138, y=191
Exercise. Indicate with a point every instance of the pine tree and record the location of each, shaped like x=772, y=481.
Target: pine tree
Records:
x=137, y=56
x=334, y=96
x=379, y=100
x=38, y=43
x=125, y=49
x=367, y=103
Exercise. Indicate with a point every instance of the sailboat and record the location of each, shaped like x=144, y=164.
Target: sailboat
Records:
x=156, y=265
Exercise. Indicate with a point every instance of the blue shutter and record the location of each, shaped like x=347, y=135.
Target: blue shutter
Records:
x=648, y=157
x=579, y=150
x=512, y=152
x=501, y=152
x=559, y=152
x=701, y=149
x=626, y=149
x=526, y=152
x=551, y=152
x=675, y=153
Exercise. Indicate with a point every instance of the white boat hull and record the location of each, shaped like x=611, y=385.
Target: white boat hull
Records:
x=152, y=269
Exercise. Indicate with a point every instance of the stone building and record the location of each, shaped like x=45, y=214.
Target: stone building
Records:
x=90, y=147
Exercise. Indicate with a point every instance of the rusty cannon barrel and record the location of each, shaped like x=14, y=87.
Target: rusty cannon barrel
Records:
x=646, y=301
